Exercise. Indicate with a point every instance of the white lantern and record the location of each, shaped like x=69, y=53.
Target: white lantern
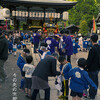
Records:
x=40, y=14
x=6, y=13
x=46, y=14
x=19, y=13
x=49, y=14
x=26, y=13
x=13, y=13
x=52, y=14
x=65, y=15
x=58, y=15
x=36, y=14
x=33, y=14
x=16, y=13
x=29, y=14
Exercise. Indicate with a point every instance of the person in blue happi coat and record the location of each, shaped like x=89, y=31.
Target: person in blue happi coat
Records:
x=19, y=46
x=61, y=46
x=68, y=45
x=10, y=46
x=75, y=47
x=22, y=36
x=31, y=40
x=52, y=43
x=26, y=37
x=20, y=63
x=89, y=44
x=36, y=40
x=99, y=42
x=23, y=45
x=44, y=51
x=65, y=67
x=85, y=44
x=80, y=80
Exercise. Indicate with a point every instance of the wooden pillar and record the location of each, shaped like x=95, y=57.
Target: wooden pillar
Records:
x=44, y=15
x=61, y=18
x=61, y=15
x=56, y=18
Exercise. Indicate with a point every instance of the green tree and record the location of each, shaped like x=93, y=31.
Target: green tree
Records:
x=98, y=1
x=84, y=10
x=83, y=28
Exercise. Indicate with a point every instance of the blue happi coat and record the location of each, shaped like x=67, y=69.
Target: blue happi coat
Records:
x=21, y=62
x=62, y=45
x=36, y=38
x=69, y=45
x=75, y=47
x=10, y=45
x=80, y=80
x=44, y=54
x=85, y=44
x=99, y=42
x=52, y=43
x=65, y=69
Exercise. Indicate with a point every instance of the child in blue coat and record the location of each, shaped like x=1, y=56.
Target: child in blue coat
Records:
x=10, y=47
x=85, y=44
x=75, y=47
x=19, y=46
x=23, y=45
x=64, y=69
x=79, y=80
x=14, y=48
x=44, y=51
x=20, y=63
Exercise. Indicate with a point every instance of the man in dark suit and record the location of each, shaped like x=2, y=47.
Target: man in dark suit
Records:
x=45, y=68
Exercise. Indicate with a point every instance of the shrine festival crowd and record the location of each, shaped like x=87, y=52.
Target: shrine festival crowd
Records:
x=81, y=79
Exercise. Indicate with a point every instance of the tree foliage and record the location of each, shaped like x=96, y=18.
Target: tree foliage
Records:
x=83, y=28
x=84, y=10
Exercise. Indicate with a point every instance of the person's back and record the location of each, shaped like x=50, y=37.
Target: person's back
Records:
x=85, y=44
x=45, y=68
x=69, y=45
x=75, y=46
x=80, y=80
x=28, y=69
x=52, y=43
x=3, y=48
x=36, y=38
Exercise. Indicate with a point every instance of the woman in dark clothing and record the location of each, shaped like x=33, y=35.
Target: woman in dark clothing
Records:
x=45, y=68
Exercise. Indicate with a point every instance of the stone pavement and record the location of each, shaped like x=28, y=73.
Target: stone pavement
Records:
x=13, y=72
